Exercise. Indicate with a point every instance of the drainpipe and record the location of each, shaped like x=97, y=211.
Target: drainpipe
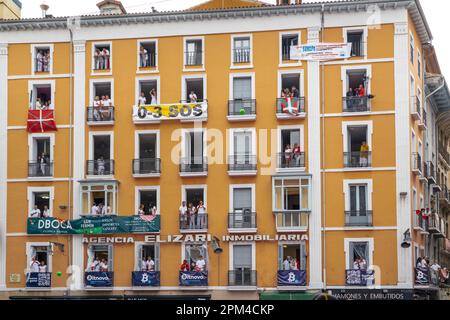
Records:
x=324, y=210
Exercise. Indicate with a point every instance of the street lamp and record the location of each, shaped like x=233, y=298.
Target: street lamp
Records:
x=406, y=239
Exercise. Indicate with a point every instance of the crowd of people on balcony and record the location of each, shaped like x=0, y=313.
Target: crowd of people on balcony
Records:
x=197, y=266
x=359, y=263
x=355, y=97
x=102, y=108
x=43, y=165
x=43, y=60
x=442, y=272
x=287, y=93
x=147, y=264
x=289, y=263
x=100, y=209
x=192, y=217
x=102, y=59
x=98, y=265
x=42, y=104
x=142, y=100
x=144, y=57
x=36, y=266
x=37, y=213
x=292, y=156
x=152, y=210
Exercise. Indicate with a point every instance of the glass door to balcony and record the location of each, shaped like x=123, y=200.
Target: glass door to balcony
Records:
x=242, y=96
x=290, y=156
x=358, y=215
x=242, y=216
x=101, y=164
x=148, y=161
x=194, y=151
x=242, y=152
x=242, y=265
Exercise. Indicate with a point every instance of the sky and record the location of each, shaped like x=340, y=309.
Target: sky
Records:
x=436, y=12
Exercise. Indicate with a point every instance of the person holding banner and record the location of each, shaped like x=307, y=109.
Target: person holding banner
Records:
x=35, y=213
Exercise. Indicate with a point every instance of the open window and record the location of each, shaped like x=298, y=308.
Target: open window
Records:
x=41, y=96
x=41, y=157
x=40, y=202
x=194, y=89
x=99, y=258
x=42, y=58
x=39, y=257
x=101, y=154
x=288, y=40
x=196, y=255
x=193, y=152
x=147, y=257
x=98, y=198
x=147, y=51
x=356, y=38
x=291, y=150
x=102, y=92
x=292, y=256
x=102, y=58
x=148, y=91
x=357, y=147
x=147, y=201
x=193, y=51
x=196, y=217
x=147, y=154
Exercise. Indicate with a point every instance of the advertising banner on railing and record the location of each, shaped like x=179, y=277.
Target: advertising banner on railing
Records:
x=321, y=51
x=98, y=279
x=358, y=277
x=177, y=111
x=422, y=276
x=39, y=280
x=145, y=279
x=292, y=278
x=193, y=278
x=95, y=225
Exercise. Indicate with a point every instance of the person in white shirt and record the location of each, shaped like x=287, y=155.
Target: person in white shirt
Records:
x=46, y=61
x=97, y=58
x=200, y=264
x=106, y=61
x=34, y=265
x=436, y=267
x=100, y=166
x=95, y=266
x=97, y=107
x=144, y=57
x=35, y=213
x=45, y=212
x=201, y=211
x=286, y=264
x=192, y=97
x=42, y=267
x=142, y=100
x=101, y=209
x=39, y=61
x=38, y=104
x=150, y=264
x=183, y=213
x=103, y=266
x=105, y=109
x=94, y=209
x=153, y=210
x=154, y=98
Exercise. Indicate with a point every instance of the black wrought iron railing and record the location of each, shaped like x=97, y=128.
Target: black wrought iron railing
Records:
x=241, y=162
x=40, y=169
x=147, y=61
x=358, y=218
x=100, y=114
x=242, y=277
x=194, y=58
x=356, y=104
x=287, y=160
x=357, y=49
x=242, y=220
x=100, y=167
x=290, y=106
x=194, y=165
x=417, y=164
x=242, y=107
x=194, y=221
x=147, y=166
x=358, y=159
x=42, y=65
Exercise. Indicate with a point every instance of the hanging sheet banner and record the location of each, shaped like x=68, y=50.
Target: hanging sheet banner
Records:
x=358, y=277
x=176, y=111
x=321, y=51
x=193, y=278
x=292, y=278
x=98, y=279
x=145, y=279
x=95, y=225
x=39, y=280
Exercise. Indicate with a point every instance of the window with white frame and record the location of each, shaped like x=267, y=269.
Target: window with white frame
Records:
x=193, y=151
x=147, y=159
x=42, y=95
x=419, y=64
x=288, y=40
x=292, y=256
x=193, y=89
x=101, y=154
x=242, y=207
x=40, y=202
x=147, y=53
x=42, y=56
x=242, y=51
x=290, y=147
x=40, y=155
x=39, y=256
x=411, y=48
x=359, y=254
x=242, y=149
x=356, y=38
x=147, y=90
x=100, y=258
x=291, y=194
x=101, y=56
x=98, y=198
x=102, y=93
x=147, y=257
x=193, y=50
x=242, y=264
x=147, y=200
x=358, y=203
x=196, y=255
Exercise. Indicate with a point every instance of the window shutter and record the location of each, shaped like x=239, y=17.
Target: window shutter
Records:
x=302, y=256
x=242, y=257
x=157, y=258
x=138, y=257
x=242, y=199
x=280, y=257
x=351, y=254
x=110, y=258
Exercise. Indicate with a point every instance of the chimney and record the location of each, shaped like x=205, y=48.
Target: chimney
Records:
x=288, y=2
x=44, y=9
x=111, y=7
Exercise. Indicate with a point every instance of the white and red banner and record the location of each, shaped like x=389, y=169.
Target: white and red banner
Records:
x=321, y=51
x=41, y=121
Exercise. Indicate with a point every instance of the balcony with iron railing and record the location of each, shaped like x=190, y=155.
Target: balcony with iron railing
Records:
x=100, y=167
x=37, y=169
x=242, y=277
x=435, y=226
x=443, y=153
x=193, y=58
x=242, y=110
x=420, y=223
x=356, y=104
x=42, y=65
x=100, y=116
x=149, y=62
x=193, y=166
x=423, y=121
x=431, y=172
x=290, y=108
x=415, y=108
x=358, y=159
x=194, y=223
x=242, y=221
x=291, y=161
x=242, y=164
x=359, y=277
x=242, y=55
x=417, y=164
x=444, y=195
x=358, y=218
x=147, y=167
x=102, y=62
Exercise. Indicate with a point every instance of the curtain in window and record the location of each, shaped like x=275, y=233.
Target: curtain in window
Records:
x=242, y=88
x=242, y=256
x=242, y=199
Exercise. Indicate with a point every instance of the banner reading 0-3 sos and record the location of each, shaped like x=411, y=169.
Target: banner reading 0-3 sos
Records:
x=177, y=111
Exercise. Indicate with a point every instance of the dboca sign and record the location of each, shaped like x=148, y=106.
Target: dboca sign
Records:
x=53, y=224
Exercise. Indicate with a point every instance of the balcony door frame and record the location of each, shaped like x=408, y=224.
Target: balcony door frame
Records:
x=369, y=192
x=28, y=246
x=40, y=46
x=245, y=65
x=31, y=145
x=137, y=254
x=137, y=197
x=231, y=251
x=297, y=33
x=365, y=32
x=347, y=124
x=138, y=65
x=31, y=197
x=345, y=80
x=92, y=93
x=99, y=72
x=187, y=68
x=347, y=242
x=93, y=134
x=232, y=187
x=185, y=77
x=250, y=75
x=186, y=187
x=31, y=88
x=301, y=87
x=184, y=132
x=137, y=88
x=252, y=131
x=138, y=134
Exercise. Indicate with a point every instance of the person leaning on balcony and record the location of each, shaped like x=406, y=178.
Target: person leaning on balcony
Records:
x=294, y=92
x=350, y=95
x=38, y=104
x=95, y=265
x=192, y=97
x=39, y=61
x=35, y=213
x=34, y=265
x=183, y=213
x=97, y=58
x=45, y=212
x=101, y=166
x=296, y=154
x=286, y=263
x=106, y=60
x=104, y=266
x=150, y=264
x=184, y=266
x=287, y=155
x=201, y=211
x=364, y=154
x=46, y=61
x=200, y=264
x=104, y=109
x=42, y=267
x=141, y=210
x=144, y=57
x=142, y=100
x=94, y=209
x=153, y=96
x=292, y=264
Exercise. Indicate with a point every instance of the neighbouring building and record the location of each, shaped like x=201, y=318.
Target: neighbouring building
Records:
x=304, y=175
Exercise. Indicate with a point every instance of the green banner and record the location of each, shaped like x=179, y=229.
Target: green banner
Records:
x=95, y=225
